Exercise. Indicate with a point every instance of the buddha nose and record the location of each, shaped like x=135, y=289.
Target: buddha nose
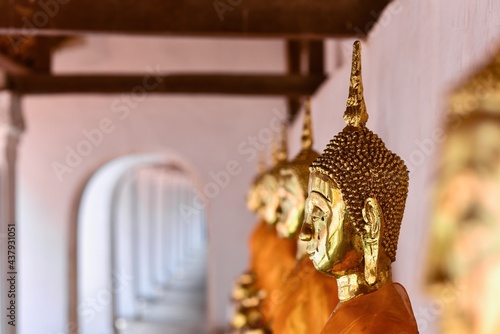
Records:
x=279, y=211
x=306, y=232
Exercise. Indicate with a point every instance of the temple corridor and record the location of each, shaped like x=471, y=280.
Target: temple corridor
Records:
x=249, y=167
x=180, y=308
x=132, y=228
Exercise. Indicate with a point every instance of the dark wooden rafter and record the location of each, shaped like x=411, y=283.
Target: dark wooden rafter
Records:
x=32, y=19
x=263, y=85
x=299, y=19
x=316, y=57
x=304, y=58
x=10, y=66
x=42, y=62
x=36, y=79
x=23, y=55
x=294, y=59
x=10, y=60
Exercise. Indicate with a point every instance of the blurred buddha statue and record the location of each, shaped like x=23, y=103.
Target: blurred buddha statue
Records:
x=268, y=183
x=465, y=232
x=279, y=254
x=293, y=181
x=272, y=257
x=353, y=214
x=307, y=298
x=248, y=317
x=246, y=293
x=255, y=204
x=254, y=196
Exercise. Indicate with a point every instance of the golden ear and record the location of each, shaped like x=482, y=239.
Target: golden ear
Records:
x=373, y=216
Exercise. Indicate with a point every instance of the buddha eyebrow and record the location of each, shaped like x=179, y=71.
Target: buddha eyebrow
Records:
x=322, y=196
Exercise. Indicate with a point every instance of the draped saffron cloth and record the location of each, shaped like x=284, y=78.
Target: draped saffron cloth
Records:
x=308, y=299
x=387, y=310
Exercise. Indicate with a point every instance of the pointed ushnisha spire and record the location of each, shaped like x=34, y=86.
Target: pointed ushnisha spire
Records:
x=307, y=135
x=282, y=153
x=355, y=113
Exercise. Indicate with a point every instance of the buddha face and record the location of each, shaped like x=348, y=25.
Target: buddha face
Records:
x=292, y=201
x=331, y=241
x=270, y=200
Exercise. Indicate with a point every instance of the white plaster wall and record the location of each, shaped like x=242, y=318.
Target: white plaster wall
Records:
x=420, y=52
x=204, y=131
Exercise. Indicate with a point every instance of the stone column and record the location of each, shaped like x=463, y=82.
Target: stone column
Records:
x=158, y=231
x=167, y=228
x=142, y=237
x=11, y=128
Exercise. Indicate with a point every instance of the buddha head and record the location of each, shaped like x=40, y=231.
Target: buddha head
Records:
x=357, y=195
x=293, y=183
x=270, y=210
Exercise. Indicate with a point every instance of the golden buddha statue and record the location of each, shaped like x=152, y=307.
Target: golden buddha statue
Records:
x=255, y=204
x=268, y=185
x=293, y=181
x=254, y=196
x=246, y=293
x=464, y=255
x=271, y=257
x=278, y=255
x=353, y=214
x=307, y=298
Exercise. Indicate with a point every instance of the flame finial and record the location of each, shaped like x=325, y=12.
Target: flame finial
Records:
x=355, y=113
x=282, y=152
x=307, y=134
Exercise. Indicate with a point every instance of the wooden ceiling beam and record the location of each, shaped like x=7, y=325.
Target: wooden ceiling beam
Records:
x=10, y=66
x=316, y=57
x=235, y=84
x=306, y=58
x=42, y=55
x=20, y=55
x=294, y=62
x=305, y=19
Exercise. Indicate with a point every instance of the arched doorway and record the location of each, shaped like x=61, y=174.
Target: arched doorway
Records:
x=140, y=260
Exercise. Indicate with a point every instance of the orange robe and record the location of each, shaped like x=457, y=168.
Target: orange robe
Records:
x=387, y=310
x=306, y=300
x=277, y=261
x=271, y=260
x=260, y=239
